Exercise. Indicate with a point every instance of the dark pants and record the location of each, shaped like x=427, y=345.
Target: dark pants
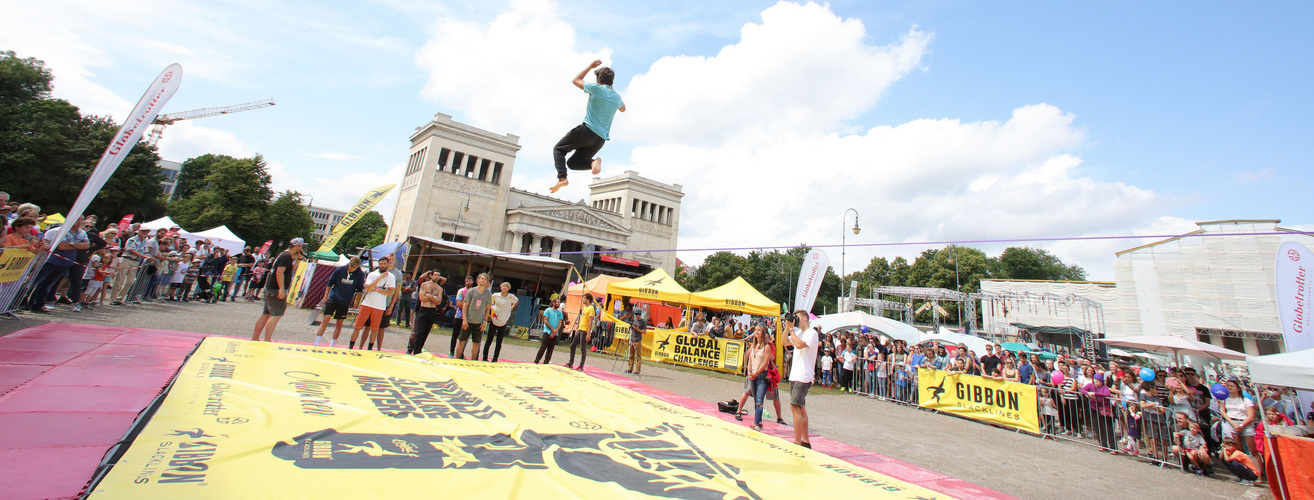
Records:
x=548, y=344
x=456, y=335
x=495, y=334
x=424, y=318
x=584, y=142
x=1241, y=471
x=404, y=311
x=45, y=282
x=1105, y=432
x=577, y=341
x=239, y=285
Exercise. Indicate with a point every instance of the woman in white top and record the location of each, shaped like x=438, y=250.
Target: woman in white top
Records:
x=760, y=356
x=1239, y=417
x=503, y=308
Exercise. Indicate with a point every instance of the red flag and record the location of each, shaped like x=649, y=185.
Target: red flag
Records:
x=123, y=224
x=265, y=248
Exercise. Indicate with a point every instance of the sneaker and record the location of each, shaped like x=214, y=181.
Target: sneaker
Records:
x=47, y=308
x=1246, y=482
x=64, y=300
x=77, y=307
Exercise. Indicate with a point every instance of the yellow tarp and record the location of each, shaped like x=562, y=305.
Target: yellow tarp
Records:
x=260, y=420
x=995, y=401
x=655, y=286
x=738, y=296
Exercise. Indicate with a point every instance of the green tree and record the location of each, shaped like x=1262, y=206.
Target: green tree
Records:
x=1026, y=263
x=237, y=195
x=192, y=174
x=367, y=232
x=48, y=149
x=287, y=218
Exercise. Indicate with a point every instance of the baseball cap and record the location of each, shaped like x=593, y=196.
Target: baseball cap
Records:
x=296, y=242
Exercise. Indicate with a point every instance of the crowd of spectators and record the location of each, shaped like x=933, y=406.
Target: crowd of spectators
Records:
x=95, y=264
x=1169, y=414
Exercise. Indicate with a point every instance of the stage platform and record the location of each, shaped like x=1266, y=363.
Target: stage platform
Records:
x=69, y=392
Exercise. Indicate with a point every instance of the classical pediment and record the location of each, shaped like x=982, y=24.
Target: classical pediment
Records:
x=578, y=214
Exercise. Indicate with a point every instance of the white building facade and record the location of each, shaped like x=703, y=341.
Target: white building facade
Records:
x=1216, y=284
x=456, y=187
x=325, y=219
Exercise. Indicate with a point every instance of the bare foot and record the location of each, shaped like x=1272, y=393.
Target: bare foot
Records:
x=597, y=166
x=560, y=184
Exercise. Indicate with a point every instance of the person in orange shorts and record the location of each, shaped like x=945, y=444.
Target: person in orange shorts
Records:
x=378, y=285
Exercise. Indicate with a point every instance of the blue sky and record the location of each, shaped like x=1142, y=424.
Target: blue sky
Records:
x=936, y=120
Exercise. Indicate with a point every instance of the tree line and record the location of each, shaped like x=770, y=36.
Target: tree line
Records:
x=48, y=149
x=775, y=273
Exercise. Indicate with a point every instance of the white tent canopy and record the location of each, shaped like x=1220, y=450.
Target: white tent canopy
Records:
x=875, y=324
x=161, y=223
x=945, y=336
x=1289, y=369
x=220, y=236
x=1177, y=346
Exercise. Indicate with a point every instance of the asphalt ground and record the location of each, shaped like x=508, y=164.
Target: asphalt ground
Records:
x=997, y=458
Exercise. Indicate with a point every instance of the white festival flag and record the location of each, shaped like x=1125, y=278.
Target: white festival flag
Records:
x=147, y=108
x=1294, y=263
x=809, y=279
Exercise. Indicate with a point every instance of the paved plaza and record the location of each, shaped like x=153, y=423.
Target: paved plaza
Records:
x=1006, y=461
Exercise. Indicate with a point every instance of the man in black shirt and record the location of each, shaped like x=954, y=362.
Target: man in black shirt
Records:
x=989, y=362
x=343, y=285
x=276, y=289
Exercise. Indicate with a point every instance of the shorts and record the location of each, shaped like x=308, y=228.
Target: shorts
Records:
x=1229, y=431
x=365, y=315
x=338, y=311
x=798, y=393
x=772, y=394
x=274, y=306
x=475, y=330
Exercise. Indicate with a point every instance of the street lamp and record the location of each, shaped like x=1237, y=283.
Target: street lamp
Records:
x=458, y=216
x=789, y=290
x=958, y=285
x=843, y=235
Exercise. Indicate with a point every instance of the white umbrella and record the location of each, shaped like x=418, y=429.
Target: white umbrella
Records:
x=875, y=324
x=1177, y=346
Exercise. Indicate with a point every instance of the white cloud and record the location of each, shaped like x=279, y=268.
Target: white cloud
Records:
x=184, y=140
x=1251, y=177
x=335, y=156
x=762, y=138
x=339, y=192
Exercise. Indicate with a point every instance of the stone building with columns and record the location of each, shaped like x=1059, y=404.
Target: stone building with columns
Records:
x=456, y=188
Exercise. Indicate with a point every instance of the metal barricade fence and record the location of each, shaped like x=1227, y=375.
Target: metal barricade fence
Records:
x=1147, y=431
x=140, y=285
x=14, y=294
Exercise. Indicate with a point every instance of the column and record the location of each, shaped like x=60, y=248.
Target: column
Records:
x=517, y=242
x=537, y=243
x=556, y=248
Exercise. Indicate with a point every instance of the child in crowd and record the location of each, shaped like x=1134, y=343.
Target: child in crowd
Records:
x=176, y=291
x=189, y=279
x=1239, y=463
x=1131, y=443
x=230, y=272
x=95, y=277
x=1191, y=447
x=827, y=362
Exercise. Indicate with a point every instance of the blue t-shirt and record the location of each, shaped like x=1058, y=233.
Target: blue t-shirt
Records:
x=344, y=286
x=918, y=359
x=553, y=317
x=603, y=103
x=1024, y=373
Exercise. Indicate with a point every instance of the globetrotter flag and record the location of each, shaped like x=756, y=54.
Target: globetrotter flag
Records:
x=363, y=205
x=809, y=279
x=1295, y=304
x=147, y=108
x=265, y=248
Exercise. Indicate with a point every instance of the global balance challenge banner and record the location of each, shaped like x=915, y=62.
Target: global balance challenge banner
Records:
x=259, y=420
x=703, y=351
x=995, y=401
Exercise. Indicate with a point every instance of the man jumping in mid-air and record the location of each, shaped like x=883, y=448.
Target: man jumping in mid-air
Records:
x=586, y=139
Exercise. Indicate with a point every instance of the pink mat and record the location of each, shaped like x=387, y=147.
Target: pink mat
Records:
x=68, y=392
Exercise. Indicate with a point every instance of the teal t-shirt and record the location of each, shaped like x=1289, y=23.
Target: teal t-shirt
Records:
x=553, y=317
x=603, y=103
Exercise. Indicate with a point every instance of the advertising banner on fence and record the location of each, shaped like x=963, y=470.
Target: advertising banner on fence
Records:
x=12, y=264
x=670, y=346
x=995, y=401
x=262, y=420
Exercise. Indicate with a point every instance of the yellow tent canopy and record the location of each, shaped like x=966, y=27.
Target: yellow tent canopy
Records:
x=597, y=286
x=655, y=286
x=738, y=296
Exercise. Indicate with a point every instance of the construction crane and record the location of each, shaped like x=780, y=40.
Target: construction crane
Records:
x=164, y=120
